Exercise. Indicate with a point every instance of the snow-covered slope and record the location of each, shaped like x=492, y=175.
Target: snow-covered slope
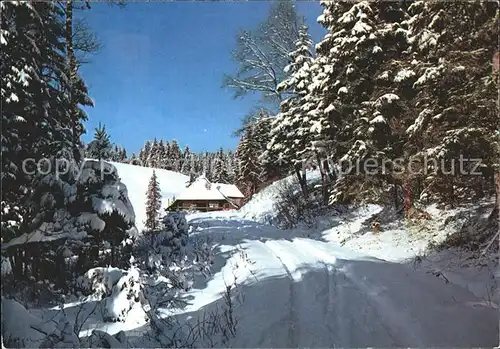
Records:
x=260, y=208
x=136, y=178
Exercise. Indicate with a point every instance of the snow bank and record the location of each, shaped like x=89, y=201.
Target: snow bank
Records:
x=260, y=208
x=20, y=328
x=401, y=242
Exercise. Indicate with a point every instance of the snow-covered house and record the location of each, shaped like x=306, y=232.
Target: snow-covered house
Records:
x=203, y=195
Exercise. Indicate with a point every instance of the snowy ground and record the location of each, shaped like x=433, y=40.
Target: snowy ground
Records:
x=298, y=291
x=409, y=244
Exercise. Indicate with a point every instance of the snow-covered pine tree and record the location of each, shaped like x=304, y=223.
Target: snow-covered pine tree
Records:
x=220, y=171
x=175, y=156
x=290, y=130
x=105, y=211
x=144, y=153
x=100, y=148
x=206, y=165
x=194, y=169
x=298, y=80
x=153, y=204
x=230, y=168
x=162, y=154
x=186, y=161
x=157, y=156
x=76, y=212
x=355, y=108
x=119, y=154
x=115, y=153
x=250, y=168
x=454, y=106
x=133, y=159
x=35, y=106
x=153, y=154
x=261, y=131
x=198, y=164
x=123, y=155
x=166, y=155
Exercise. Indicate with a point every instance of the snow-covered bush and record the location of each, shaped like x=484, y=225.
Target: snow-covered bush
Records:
x=119, y=291
x=176, y=223
x=24, y=330
x=99, y=281
x=74, y=213
x=125, y=295
x=171, y=260
x=157, y=249
x=292, y=209
x=202, y=251
x=163, y=256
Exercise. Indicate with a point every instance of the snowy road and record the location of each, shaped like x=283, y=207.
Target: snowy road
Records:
x=300, y=292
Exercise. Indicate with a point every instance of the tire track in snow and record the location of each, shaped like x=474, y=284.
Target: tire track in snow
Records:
x=396, y=322
x=293, y=322
x=335, y=307
x=391, y=318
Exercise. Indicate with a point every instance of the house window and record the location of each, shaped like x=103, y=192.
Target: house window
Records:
x=213, y=204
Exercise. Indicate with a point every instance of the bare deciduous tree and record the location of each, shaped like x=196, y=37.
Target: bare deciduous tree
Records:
x=85, y=41
x=263, y=53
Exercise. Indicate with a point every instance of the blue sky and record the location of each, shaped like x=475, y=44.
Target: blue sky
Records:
x=160, y=71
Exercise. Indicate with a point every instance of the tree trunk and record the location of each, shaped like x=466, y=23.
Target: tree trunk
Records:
x=395, y=196
x=407, y=198
x=72, y=75
x=331, y=175
x=302, y=180
x=113, y=255
x=17, y=263
x=324, y=188
x=495, y=214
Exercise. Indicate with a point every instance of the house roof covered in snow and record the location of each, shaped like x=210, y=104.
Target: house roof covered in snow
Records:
x=203, y=189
